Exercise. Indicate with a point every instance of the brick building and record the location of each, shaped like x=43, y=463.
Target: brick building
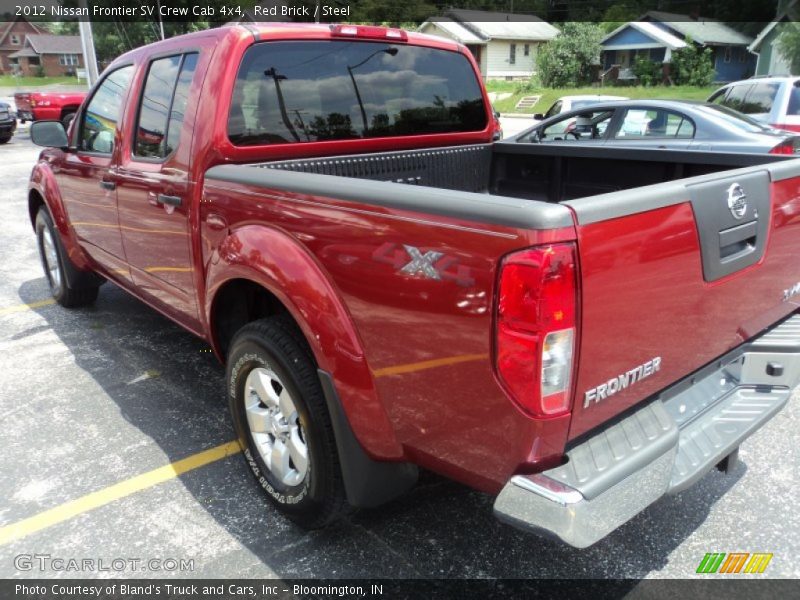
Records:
x=12, y=39
x=57, y=55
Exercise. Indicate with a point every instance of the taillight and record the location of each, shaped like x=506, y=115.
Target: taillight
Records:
x=786, y=147
x=536, y=327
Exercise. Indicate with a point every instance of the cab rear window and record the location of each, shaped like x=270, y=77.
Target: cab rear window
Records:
x=296, y=92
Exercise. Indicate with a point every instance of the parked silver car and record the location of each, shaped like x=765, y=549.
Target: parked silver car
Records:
x=666, y=124
x=771, y=100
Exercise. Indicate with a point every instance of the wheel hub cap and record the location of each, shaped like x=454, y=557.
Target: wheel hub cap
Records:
x=275, y=426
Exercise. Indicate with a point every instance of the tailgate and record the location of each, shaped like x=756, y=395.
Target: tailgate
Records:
x=23, y=102
x=676, y=274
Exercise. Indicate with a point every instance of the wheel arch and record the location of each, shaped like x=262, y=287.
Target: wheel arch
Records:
x=260, y=271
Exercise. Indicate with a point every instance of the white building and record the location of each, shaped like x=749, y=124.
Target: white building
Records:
x=504, y=45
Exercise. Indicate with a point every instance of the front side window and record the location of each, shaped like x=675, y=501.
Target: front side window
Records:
x=296, y=92
x=163, y=104
x=100, y=120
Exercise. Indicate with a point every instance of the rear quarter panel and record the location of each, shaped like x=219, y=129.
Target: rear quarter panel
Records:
x=423, y=355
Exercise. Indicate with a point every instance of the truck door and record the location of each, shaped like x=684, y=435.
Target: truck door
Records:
x=154, y=187
x=87, y=182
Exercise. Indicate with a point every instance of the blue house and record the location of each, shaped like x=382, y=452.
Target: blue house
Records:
x=657, y=35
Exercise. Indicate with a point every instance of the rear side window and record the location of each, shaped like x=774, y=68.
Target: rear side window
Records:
x=99, y=121
x=736, y=97
x=293, y=92
x=760, y=98
x=642, y=124
x=163, y=104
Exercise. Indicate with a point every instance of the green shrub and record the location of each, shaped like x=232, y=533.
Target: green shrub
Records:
x=567, y=60
x=648, y=72
x=692, y=65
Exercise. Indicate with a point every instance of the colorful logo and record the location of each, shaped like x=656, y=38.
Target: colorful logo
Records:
x=734, y=562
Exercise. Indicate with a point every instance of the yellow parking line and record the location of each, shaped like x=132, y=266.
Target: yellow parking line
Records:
x=427, y=364
x=71, y=509
x=23, y=307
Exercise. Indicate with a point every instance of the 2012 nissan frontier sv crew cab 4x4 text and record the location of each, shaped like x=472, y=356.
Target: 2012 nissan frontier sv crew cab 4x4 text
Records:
x=576, y=330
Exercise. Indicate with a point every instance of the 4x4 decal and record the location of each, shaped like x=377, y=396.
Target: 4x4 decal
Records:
x=431, y=264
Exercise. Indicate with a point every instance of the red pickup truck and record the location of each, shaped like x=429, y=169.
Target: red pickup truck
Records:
x=576, y=330
x=39, y=106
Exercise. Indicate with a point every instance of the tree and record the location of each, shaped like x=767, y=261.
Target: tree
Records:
x=647, y=72
x=692, y=65
x=567, y=60
x=619, y=14
x=789, y=44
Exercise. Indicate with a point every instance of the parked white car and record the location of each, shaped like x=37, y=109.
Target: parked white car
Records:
x=568, y=103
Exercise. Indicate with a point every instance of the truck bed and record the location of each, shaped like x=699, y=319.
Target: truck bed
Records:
x=548, y=173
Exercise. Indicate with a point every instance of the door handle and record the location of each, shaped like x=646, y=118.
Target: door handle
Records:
x=108, y=185
x=171, y=200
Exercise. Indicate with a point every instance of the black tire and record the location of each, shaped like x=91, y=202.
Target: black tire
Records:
x=275, y=344
x=67, y=295
x=66, y=119
x=5, y=140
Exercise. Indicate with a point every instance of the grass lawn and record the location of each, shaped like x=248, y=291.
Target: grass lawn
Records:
x=33, y=82
x=551, y=95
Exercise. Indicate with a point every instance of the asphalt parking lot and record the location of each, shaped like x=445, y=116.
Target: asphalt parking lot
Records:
x=97, y=402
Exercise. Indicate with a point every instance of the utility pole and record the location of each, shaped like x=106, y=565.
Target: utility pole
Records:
x=87, y=46
x=160, y=22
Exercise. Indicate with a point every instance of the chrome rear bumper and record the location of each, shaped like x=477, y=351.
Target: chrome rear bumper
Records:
x=664, y=447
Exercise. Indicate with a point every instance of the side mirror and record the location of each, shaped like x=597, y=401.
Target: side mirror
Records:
x=538, y=116
x=49, y=133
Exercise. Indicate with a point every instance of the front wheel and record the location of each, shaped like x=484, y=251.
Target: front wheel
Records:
x=55, y=261
x=283, y=424
x=5, y=139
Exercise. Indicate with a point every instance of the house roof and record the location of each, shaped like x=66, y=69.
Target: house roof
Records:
x=503, y=26
x=10, y=25
x=25, y=52
x=780, y=18
x=701, y=30
x=664, y=38
x=54, y=44
x=457, y=31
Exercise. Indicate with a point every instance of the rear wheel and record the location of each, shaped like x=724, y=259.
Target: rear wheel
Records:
x=282, y=422
x=55, y=261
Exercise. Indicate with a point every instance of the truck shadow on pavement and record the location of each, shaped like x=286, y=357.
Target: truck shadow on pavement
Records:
x=167, y=385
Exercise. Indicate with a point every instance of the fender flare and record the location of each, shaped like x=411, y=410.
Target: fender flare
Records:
x=277, y=262
x=43, y=182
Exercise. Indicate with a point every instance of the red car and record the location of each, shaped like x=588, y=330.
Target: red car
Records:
x=39, y=106
x=576, y=330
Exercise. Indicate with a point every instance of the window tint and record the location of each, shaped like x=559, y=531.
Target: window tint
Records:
x=737, y=96
x=760, y=98
x=331, y=90
x=719, y=96
x=163, y=104
x=99, y=123
x=179, y=102
x=645, y=124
